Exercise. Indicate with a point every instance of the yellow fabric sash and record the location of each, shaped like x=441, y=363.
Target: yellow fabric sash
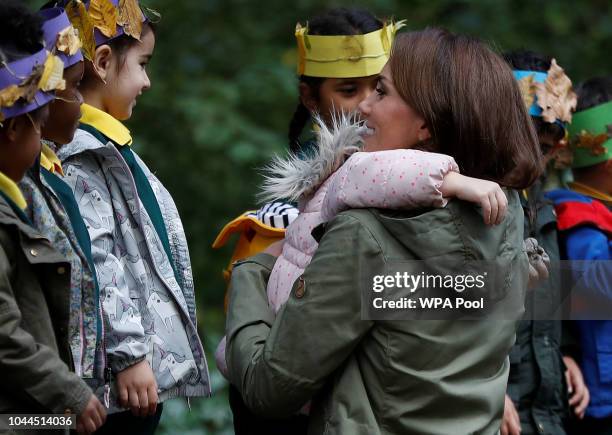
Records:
x=10, y=189
x=50, y=161
x=106, y=124
x=589, y=191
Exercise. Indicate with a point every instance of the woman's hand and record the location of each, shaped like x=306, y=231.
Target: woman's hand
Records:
x=138, y=389
x=486, y=193
x=577, y=389
x=511, y=423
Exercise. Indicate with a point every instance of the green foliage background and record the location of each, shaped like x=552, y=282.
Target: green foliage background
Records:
x=223, y=92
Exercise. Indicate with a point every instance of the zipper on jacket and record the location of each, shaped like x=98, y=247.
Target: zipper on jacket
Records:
x=107, y=380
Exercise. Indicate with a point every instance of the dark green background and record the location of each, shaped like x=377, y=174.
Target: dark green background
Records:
x=224, y=90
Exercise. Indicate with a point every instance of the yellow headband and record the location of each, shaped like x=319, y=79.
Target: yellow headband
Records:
x=344, y=56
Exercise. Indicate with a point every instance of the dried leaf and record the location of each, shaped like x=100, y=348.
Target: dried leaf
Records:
x=80, y=20
x=555, y=95
x=52, y=78
x=130, y=17
x=9, y=95
x=103, y=15
x=151, y=15
x=30, y=84
x=593, y=142
x=527, y=87
x=68, y=41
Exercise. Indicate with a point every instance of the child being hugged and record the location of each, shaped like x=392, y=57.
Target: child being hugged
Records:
x=138, y=244
x=333, y=175
x=35, y=357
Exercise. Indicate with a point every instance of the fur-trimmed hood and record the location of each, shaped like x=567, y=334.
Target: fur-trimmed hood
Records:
x=297, y=176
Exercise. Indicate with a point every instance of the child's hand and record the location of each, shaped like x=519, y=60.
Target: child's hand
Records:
x=511, y=423
x=138, y=389
x=92, y=417
x=486, y=193
x=577, y=389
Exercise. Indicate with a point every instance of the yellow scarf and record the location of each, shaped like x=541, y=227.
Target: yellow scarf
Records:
x=106, y=124
x=10, y=189
x=50, y=161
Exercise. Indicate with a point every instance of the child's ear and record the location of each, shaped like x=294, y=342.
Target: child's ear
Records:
x=12, y=128
x=103, y=61
x=308, y=98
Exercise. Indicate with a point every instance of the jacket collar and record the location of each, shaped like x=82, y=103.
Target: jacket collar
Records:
x=106, y=124
x=11, y=190
x=9, y=216
x=50, y=161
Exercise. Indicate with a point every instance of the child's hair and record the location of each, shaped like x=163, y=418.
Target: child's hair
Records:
x=471, y=104
x=339, y=21
x=525, y=60
x=594, y=92
x=21, y=31
x=121, y=44
x=21, y=35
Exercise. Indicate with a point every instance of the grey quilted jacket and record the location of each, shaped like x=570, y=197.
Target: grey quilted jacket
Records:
x=149, y=310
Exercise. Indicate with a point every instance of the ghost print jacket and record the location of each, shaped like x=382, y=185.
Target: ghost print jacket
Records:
x=148, y=298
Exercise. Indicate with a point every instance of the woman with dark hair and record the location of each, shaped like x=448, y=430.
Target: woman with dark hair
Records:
x=439, y=92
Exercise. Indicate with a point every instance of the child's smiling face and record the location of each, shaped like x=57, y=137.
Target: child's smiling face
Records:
x=127, y=78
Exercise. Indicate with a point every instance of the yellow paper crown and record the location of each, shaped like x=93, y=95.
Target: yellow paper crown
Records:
x=344, y=56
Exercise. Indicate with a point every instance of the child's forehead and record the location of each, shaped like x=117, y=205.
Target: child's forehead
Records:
x=145, y=46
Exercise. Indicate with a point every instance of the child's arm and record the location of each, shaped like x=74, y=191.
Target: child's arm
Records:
x=388, y=179
x=487, y=194
x=125, y=338
x=403, y=178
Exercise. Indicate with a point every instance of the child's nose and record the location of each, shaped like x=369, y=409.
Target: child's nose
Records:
x=147, y=82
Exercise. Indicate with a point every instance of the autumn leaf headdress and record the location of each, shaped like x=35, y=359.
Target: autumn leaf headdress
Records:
x=29, y=83
x=548, y=95
x=591, y=135
x=344, y=56
x=99, y=21
x=61, y=38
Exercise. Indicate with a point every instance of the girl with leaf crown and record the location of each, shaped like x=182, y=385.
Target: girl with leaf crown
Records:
x=138, y=245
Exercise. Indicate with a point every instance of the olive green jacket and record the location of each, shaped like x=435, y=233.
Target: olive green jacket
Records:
x=35, y=358
x=376, y=377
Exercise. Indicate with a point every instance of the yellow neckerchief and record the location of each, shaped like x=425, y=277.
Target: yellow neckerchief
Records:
x=589, y=191
x=50, y=161
x=10, y=189
x=106, y=124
